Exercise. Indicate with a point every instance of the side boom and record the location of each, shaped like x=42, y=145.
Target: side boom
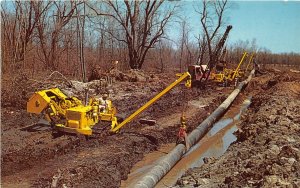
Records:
x=249, y=62
x=238, y=67
x=154, y=99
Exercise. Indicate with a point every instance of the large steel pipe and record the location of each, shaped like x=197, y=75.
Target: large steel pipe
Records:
x=151, y=178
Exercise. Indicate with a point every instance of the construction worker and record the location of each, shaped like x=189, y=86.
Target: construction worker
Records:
x=256, y=68
x=182, y=136
x=103, y=103
x=220, y=66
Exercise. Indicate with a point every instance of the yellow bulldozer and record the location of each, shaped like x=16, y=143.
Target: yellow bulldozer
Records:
x=68, y=114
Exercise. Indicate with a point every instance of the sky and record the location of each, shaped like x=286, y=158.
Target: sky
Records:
x=274, y=24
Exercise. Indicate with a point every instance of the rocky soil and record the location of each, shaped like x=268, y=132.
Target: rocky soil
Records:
x=267, y=150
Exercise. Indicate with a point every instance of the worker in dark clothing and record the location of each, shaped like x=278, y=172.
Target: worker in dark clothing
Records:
x=182, y=136
x=256, y=68
x=220, y=66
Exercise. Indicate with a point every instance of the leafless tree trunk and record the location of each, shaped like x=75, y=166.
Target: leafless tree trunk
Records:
x=161, y=57
x=64, y=12
x=202, y=45
x=80, y=35
x=210, y=26
x=19, y=29
x=188, y=48
x=143, y=22
x=182, y=46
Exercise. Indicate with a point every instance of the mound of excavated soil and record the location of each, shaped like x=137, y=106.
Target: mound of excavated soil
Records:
x=267, y=150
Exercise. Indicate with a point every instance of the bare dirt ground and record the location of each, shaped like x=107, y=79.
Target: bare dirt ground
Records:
x=35, y=159
x=267, y=150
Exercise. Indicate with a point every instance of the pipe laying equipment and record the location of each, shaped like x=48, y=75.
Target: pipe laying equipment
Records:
x=68, y=114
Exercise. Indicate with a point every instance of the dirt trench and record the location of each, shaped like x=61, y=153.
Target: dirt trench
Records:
x=35, y=159
x=266, y=153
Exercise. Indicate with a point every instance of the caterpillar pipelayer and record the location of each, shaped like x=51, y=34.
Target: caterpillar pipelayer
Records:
x=68, y=114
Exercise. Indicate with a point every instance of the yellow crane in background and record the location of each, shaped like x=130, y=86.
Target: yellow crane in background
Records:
x=228, y=75
x=249, y=62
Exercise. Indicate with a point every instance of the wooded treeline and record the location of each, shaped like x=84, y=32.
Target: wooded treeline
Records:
x=74, y=37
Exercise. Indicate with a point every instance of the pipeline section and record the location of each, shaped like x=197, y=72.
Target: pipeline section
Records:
x=151, y=178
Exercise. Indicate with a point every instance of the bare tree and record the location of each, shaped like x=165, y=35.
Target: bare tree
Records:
x=212, y=18
x=189, y=48
x=162, y=66
x=19, y=28
x=202, y=47
x=50, y=28
x=143, y=22
x=186, y=54
x=164, y=55
x=182, y=42
x=80, y=37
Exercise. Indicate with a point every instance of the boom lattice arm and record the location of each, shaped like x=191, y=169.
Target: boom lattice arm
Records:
x=239, y=65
